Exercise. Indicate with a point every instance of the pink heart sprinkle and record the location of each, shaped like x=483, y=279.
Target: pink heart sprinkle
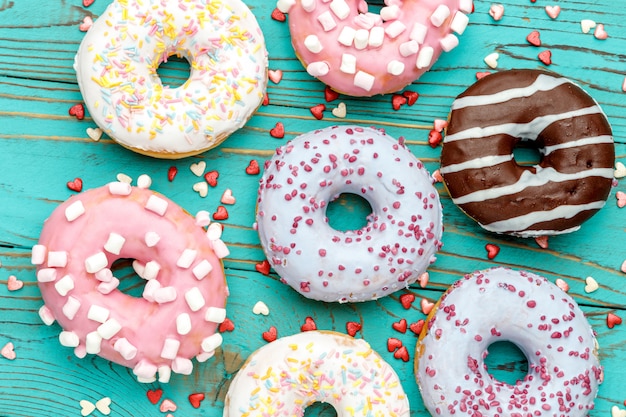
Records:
x=14, y=284
x=542, y=241
x=621, y=199
x=88, y=3
x=167, y=405
x=553, y=11
x=496, y=11
x=423, y=279
x=227, y=197
x=8, y=352
x=426, y=306
x=623, y=268
x=275, y=75
x=600, y=33
x=437, y=176
x=439, y=124
x=86, y=25
x=562, y=284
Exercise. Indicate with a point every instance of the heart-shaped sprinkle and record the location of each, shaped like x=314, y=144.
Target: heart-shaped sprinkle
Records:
x=434, y=138
x=253, y=168
x=221, y=213
x=426, y=306
x=94, y=133
x=562, y=284
x=278, y=15
x=534, y=38
x=400, y=326
x=621, y=199
x=613, y=320
x=227, y=197
x=261, y=308
x=600, y=33
x=318, y=111
x=340, y=111
x=352, y=327
x=14, y=284
x=154, y=395
x=8, y=351
x=275, y=75
x=553, y=11
x=195, y=399
x=624, y=85
x=439, y=125
x=330, y=94
x=211, y=177
x=104, y=406
x=623, y=267
x=591, y=285
x=423, y=279
x=482, y=74
x=617, y=412
x=397, y=101
x=496, y=11
x=437, y=177
x=201, y=188
x=266, y=99
x=263, y=267
x=278, y=131
x=411, y=97
x=167, y=405
x=309, y=325
x=407, y=300
x=586, y=25
x=270, y=335
x=542, y=241
x=393, y=344
x=417, y=326
x=78, y=111
x=171, y=173
x=198, y=168
x=620, y=170
x=86, y=25
x=88, y=3
x=86, y=407
x=492, y=60
x=75, y=185
x=227, y=325
x=545, y=57
x=402, y=353
x=492, y=250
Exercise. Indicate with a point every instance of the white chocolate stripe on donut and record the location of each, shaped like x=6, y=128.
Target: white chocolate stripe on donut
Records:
x=524, y=130
x=528, y=179
x=542, y=83
x=580, y=142
x=484, y=162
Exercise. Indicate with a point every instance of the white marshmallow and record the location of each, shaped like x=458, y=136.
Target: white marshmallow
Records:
x=364, y=80
x=68, y=339
x=220, y=248
x=114, y=243
x=395, y=67
x=409, y=48
x=449, y=42
x=46, y=275
x=74, y=211
x=104, y=275
x=70, y=308
x=151, y=270
x=182, y=366
x=308, y=5
x=96, y=262
x=144, y=181
x=376, y=37
x=151, y=239
x=98, y=313
x=145, y=369
x=165, y=295
x=346, y=36
x=390, y=12
x=418, y=33
x=340, y=8
x=64, y=285
x=361, y=38
x=215, y=315
x=170, y=348
x=38, y=254
x=214, y=231
x=466, y=6
x=285, y=5
x=183, y=324
x=441, y=13
x=109, y=328
x=107, y=287
x=125, y=348
x=194, y=299
x=139, y=268
x=395, y=29
x=150, y=289
x=425, y=57
x=57, y=259
x=93, y=343
x=202, y=269
x=165, y=373
x=157, y=205
x=459, y=23
x=46, y=316
x=203, y=218
x=209, y=344
x=327, y=21
x=313, y=44
x=348, y=64
x=120, y=188
x=317, y=69
x=205, y=356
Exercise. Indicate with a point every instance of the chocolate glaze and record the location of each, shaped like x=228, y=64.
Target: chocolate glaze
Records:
x=569, y=184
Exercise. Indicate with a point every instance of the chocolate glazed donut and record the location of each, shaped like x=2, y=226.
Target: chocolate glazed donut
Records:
x=570, y=183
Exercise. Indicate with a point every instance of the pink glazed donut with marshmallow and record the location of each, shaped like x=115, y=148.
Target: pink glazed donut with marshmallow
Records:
x=360, y=53
x=183, y=298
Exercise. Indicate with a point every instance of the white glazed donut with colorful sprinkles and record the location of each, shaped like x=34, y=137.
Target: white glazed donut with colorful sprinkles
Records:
x=360, y=53
x=389, y=253
x=520, y=307
x=116, y=66
x=286, y=376
x=183, y=298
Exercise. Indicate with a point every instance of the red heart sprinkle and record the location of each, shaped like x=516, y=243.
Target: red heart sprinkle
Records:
x=352, y=327
x=309, y=324
x=266, y=99
x=330, y=94
x=612, y=320
x=76, y=185
x=406, y=300
x=533, y=38
x=411, y=97
x=196, y=399
x=278, y=131
x=482, y=74
x=154, y=395
x=211, y=177
x=492, y=250
x=171, y=173
x=417, y=326
x=221, y=213
x=398, y=101
x=434, y=138
x=263, y=267
x=253, y=168
x=77, y=110
x=278, y=15
x=226, y=326
x=402, y=353
x=400, y=326
x=270, y=335
x=88, y=3
x=318, y=111
x=545, y=57
x=393, y=344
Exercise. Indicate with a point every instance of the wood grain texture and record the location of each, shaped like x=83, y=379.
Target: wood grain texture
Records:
x=42, y=147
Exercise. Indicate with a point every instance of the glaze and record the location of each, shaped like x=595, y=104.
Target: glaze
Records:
x=570, y=183
x=520, y=307
x=185, y=292
x=390, y=252
x=360, y=53
x=116, y=66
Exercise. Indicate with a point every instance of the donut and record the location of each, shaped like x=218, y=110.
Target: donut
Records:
x=361, y=53
x=116, y=67
x=389, y=253
x=501, y=304
x=183, y=298
x=287, y=375
x=569, y=184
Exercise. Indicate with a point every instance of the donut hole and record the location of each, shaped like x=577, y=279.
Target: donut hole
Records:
x=174, y=71
x=348, y=212
x=130, y=283
x=320, y=409
x=527, y=153
x=506, y=362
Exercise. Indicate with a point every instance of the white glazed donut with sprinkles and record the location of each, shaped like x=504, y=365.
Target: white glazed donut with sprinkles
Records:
x=389, y=253
x=184, y=295
x=286, y=376
x=501, y=304
x=116, y=67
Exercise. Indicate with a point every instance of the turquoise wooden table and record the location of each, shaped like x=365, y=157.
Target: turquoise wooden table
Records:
x=42, y=148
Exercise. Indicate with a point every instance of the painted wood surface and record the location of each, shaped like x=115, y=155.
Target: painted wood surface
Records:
x=42, y=148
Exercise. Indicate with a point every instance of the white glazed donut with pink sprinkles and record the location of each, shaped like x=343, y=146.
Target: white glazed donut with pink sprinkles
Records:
x=116, y=67
x=389, y=253
x=184, y=295
x=501, y=304
x=286, y=376
x=361, y=53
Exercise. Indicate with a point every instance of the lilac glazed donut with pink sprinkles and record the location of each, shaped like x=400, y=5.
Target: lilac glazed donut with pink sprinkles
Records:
x=395, y=247
x=501, y=304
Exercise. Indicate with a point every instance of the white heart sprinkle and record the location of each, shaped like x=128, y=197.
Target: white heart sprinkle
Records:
x=103, y=406
x=261, y=308
x=94, y=133
x=586, y=25
x=492, y=60
x=201, y=188
x=620, y=170
x=86, y=408
x=144, y=181
x=591, y=285
x=124, y=178
x=617, y=412
x=340, y=111
x=198, y=168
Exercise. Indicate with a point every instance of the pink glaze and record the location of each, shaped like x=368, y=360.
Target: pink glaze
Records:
x=360, y=53
x=177, y=317
x=501, y=304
